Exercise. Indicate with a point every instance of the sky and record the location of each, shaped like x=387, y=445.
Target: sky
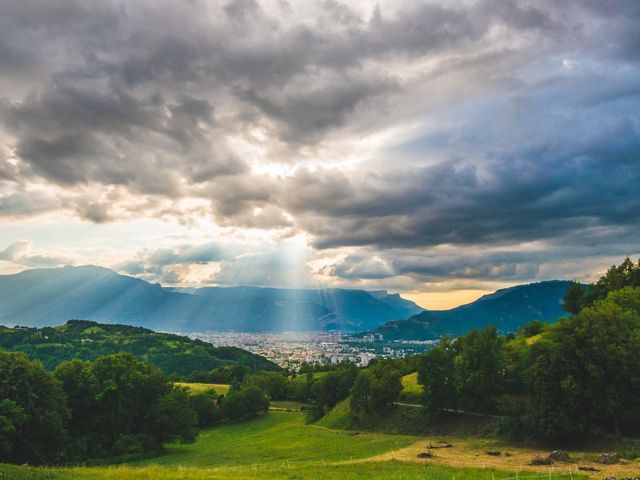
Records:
x=438, y=149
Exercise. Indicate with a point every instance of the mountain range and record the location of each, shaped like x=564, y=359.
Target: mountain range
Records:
x=46, y=297
x=507, y=309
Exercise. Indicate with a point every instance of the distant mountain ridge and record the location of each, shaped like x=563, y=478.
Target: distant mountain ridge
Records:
x=46, y=297
x=507, y=309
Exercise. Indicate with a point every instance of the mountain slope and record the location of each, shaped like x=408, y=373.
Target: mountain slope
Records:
x=87, y=340
x=507, y=309
x=43, y=297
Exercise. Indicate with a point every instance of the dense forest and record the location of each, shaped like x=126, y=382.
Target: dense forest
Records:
x=176, y=355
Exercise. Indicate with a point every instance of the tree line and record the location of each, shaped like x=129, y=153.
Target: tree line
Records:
x=115, y=406
x=577, y=377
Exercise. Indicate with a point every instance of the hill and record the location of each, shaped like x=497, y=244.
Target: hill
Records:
x=507, y=309
x=88, y=340
x=45, y=297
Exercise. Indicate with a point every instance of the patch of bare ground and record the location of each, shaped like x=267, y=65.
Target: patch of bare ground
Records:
x=490, y=453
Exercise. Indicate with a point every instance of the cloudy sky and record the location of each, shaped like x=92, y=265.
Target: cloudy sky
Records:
x=440, y=149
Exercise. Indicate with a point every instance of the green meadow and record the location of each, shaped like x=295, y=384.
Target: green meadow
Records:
x=390, y=470
x=275, y=438
x=277, y=446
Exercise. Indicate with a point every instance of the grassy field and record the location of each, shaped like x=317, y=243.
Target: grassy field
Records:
x=389, y=470
x=280, y=445
x=411, y=390
x=220, y=388
x=275, y=438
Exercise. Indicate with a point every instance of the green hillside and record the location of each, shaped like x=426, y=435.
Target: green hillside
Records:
x=507, y=309
x=86, y=340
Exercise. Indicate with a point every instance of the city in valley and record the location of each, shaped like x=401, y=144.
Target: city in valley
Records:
x=291, y=349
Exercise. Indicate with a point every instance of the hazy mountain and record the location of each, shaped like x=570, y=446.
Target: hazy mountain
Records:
x=52, y=296
x=507, y=309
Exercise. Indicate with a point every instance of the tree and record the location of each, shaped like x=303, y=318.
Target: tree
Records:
x=245, y=403
x=173, y=418
x=272, y=383
x=587, y=370
x=436, y=373
x=376, y=388
x=627, y=274
x=479, y=367
x=205, y=404
x=573, y=298
x=34, y=411
x=120, y=405
x=386, y=386
x=12, y=417
x=361, y=391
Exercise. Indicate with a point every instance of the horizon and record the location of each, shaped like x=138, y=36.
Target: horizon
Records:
x=442, y=150
x=446, y=305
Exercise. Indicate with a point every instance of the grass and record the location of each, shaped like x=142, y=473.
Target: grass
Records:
x=281, y=446
x=275, y=438
x=220, y=388
x=411, y=389
x=287, y=405
x=534, y=339
x=302, y=378
x=389, y=470
x=410, y=383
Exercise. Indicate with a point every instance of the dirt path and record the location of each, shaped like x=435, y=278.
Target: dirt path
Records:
x=472, y=453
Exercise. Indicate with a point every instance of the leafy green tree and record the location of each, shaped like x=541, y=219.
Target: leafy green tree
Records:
x=587, y=370
x=376, y=388
x=627, y=274
x=558, y=407
x=205, y=405
x=34, y=411
x=245, y=403
x=11, y=419
x=121, y=406
x=516, y=359
x=573, y=298
x=436, y=373
x=386, y=386
x=532, y=328
x=173, y=418
x=272, y=383
x=479, y=368
x=361, y=392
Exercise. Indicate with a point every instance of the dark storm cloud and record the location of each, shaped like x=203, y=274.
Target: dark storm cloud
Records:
x=537, y=193
x=307, y=115
x=27, y=204
x=70, y=135
x=502, y=123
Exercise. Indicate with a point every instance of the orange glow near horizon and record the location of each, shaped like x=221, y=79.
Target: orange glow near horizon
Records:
x=444, y=300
